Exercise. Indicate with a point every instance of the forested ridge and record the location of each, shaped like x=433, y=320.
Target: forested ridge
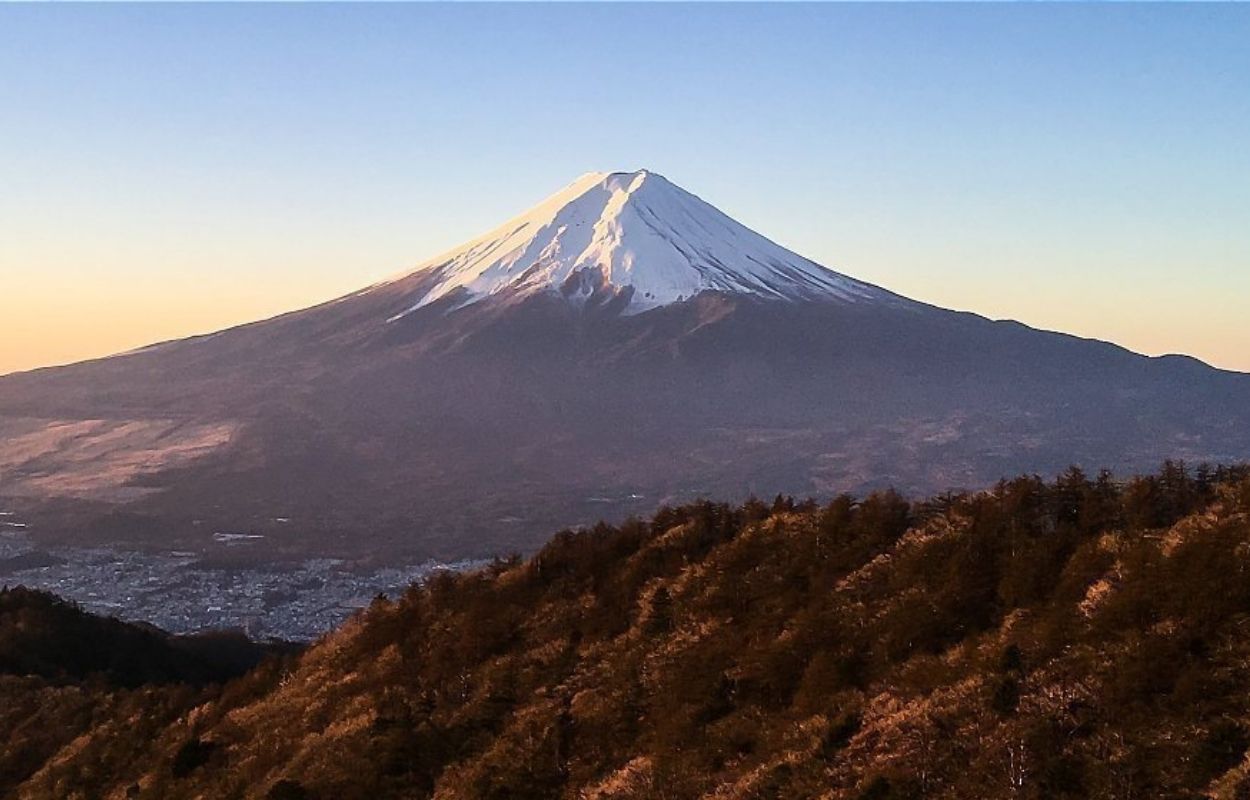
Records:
x=1080, y=637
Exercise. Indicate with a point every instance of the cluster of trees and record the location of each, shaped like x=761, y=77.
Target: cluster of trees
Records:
x=65, y=673
x=1080, y=637
x=46, y=636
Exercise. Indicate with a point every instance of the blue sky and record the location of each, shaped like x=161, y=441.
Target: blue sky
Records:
x=172, y=169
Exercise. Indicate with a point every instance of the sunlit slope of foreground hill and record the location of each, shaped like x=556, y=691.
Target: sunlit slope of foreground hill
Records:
x=1079, y=638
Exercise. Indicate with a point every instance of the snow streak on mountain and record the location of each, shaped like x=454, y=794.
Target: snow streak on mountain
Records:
x=635, y=240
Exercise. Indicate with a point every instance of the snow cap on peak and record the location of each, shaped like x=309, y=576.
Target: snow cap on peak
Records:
x=590, y=180
x=634, y=238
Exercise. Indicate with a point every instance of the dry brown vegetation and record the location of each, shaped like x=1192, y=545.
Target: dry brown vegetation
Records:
x=1077, y=638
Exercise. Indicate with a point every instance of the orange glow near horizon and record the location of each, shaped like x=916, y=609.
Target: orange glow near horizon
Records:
x=61, y=322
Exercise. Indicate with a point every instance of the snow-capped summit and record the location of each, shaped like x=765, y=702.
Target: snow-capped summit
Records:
x=633, y=238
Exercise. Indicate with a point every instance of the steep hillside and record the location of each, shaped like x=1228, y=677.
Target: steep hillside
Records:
x=44, y=636
x=65, y=674
x=1079, y=638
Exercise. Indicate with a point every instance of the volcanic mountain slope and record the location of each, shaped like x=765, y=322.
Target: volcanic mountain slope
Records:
x=622, y=344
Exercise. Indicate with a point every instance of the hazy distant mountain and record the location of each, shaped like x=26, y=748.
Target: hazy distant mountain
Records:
x=621, y=345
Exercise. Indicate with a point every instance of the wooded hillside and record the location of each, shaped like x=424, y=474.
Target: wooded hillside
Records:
x=1074, y=638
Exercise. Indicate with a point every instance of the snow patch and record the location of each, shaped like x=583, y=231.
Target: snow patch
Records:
x=630, y=236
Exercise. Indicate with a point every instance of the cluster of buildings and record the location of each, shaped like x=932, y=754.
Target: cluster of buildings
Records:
x=176, y=591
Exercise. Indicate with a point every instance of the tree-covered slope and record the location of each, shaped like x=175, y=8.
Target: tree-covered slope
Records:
x=1078, y=638
x=67, y=677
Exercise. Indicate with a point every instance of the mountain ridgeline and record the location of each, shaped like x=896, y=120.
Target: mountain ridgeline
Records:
x=622, y=345
x=1074, y=638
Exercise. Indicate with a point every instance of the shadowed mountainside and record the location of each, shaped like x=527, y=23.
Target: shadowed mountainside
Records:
x=621, y=345
x=474, y=432
x=66, y=674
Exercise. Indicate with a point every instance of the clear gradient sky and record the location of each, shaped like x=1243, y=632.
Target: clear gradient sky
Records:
x=166, y=170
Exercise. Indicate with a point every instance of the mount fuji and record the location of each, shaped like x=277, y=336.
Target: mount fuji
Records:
x=632, y=242
x=621, y=345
